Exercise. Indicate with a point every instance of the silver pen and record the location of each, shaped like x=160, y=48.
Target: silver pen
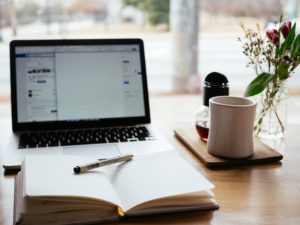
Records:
x=85, y=167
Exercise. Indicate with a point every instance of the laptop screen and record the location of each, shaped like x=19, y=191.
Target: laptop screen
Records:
x=89, y=82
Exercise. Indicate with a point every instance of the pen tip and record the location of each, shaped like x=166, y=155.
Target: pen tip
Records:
x=76, y=169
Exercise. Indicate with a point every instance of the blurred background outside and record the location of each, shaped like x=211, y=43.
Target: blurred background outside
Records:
x=217, y=48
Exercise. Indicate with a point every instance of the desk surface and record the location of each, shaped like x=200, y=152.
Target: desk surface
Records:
x=265, y=194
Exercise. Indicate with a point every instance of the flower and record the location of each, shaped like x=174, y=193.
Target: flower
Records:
x=273, y=36
x=273, y=60
x=274, y=57
x=286, y=28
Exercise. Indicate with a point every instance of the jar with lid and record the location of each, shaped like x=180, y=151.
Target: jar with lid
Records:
x=215, y=84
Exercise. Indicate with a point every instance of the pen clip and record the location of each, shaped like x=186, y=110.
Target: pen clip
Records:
x=101, y=159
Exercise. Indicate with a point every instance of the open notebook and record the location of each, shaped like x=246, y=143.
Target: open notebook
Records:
x=48, y=192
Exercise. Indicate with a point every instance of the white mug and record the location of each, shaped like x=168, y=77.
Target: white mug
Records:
x=231, y=127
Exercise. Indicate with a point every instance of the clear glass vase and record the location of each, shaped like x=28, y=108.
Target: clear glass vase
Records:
x=271, y=114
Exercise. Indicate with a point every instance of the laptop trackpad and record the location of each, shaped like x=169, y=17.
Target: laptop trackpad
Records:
x=93, y=151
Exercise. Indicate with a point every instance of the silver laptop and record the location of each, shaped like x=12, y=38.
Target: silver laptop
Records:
x=79, y=97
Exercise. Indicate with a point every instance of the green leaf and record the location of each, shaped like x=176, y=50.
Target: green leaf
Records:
x=288, y=41
x=283, y=71
x=258, y=84
x=290, y=38
x=296, y=47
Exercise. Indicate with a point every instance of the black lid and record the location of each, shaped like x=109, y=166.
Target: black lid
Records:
x=215, y=84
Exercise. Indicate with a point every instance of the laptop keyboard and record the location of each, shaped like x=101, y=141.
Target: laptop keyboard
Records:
x=81, y=137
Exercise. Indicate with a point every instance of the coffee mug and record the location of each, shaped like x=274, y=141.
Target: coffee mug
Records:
x=231, y=127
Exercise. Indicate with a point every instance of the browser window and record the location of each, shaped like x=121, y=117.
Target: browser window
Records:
x=101, y=81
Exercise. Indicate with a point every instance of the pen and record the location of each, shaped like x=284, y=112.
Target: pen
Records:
x=85, y=167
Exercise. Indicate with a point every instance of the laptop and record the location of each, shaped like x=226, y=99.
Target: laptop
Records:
x=79, y=97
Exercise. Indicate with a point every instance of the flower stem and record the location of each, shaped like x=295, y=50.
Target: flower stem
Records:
x=279, y=120
x=268, y=104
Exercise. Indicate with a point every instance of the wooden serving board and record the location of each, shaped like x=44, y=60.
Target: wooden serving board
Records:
x=190, y=138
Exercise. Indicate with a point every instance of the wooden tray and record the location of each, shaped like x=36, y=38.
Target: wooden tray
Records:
x=190, y=138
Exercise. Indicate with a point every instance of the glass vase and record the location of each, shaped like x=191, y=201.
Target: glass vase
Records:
x=271, y=114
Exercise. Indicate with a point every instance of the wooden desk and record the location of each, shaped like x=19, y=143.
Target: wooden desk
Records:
x=266, y=194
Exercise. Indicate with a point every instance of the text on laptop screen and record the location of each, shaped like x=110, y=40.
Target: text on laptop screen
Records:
x=66, y=83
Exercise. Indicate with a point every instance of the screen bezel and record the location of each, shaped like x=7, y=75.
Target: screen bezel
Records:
x=62, y=125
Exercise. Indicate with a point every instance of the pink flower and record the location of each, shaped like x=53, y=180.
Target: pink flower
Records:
x=286, y=28
x=273, y=36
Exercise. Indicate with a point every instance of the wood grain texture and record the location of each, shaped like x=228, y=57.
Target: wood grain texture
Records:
x=267, y=194
x=190, y=138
